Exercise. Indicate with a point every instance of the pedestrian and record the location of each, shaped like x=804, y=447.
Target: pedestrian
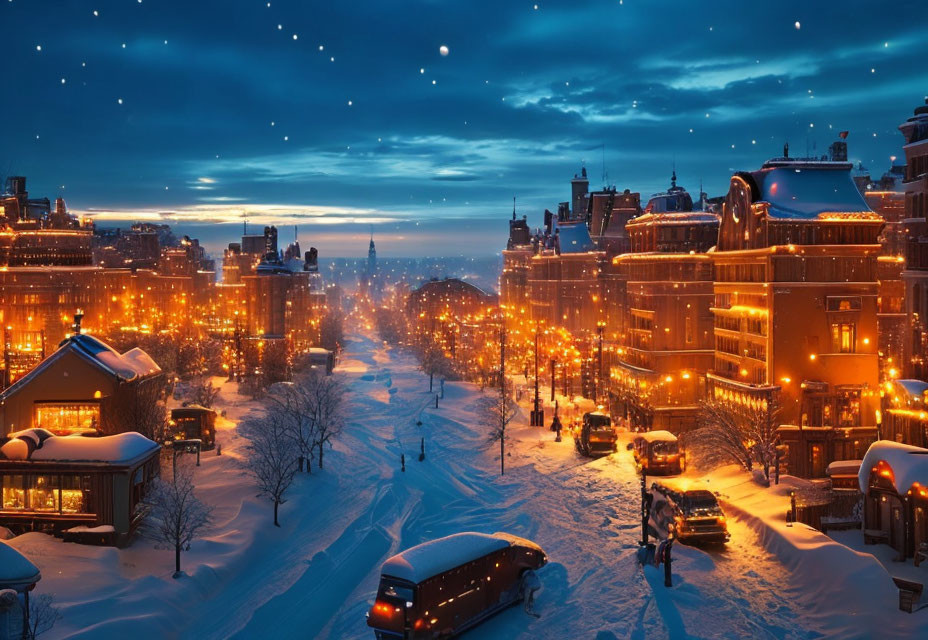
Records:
x=530, y=584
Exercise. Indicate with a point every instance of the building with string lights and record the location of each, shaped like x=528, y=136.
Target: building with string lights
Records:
x=659, y=373
x=795, y=308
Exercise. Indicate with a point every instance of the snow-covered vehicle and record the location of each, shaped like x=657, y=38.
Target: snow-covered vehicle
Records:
x=597, y=436
x=693, y=514
x=440, y=588
x=658, y=453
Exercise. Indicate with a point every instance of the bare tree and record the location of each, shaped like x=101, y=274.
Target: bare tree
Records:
x=177, y=514
x=722, y=434
x=270, y=458
x=332, y=330
x=326, y=400
x=141, y=407
x=43, y=614
x=202, y=392
x=433, y=362
x=296, y=407
x=500, y=411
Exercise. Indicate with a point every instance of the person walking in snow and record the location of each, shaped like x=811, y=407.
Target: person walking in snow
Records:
x=530, y=584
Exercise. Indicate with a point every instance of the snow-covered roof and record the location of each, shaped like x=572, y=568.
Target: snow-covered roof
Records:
x=915, y=389
x=16, y=570
x=318, y=351
x=35, y=445
x=909, y=464
x=657, y=436
x=133, y=364
x=437, y=556
x=804, y=191
x=574, y=238
x=843, y=467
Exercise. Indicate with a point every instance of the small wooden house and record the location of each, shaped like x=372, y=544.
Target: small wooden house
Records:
x=894, y=480
x=81, y=487
x=85, y=385
x=194, y=422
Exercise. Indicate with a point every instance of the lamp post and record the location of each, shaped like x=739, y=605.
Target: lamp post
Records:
x=553, y=365
x=538, y=414
x=600, y=326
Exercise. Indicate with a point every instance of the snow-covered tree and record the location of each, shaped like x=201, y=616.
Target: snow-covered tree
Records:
x=499, y=412
x=761, y=429
x=177, y=515
x=202, y=391
x=270, y=458
x=722, y=437
x=433, y=362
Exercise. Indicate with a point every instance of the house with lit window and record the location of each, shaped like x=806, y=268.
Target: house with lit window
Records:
x=84, y=386
x=796, y=308
x=84, y=488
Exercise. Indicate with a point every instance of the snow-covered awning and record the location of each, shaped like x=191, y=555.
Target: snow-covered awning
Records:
x=909, y=465
x=16, y=570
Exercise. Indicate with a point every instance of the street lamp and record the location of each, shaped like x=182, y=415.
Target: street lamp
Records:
x=538, y=414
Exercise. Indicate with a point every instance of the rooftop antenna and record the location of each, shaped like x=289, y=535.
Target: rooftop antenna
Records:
x=673, y=177
x=513, y=207
x=603, y=145
x=294, y=233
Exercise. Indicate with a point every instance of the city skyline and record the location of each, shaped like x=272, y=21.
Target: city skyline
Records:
x=316, y=116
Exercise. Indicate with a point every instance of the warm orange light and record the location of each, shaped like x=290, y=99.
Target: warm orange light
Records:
x=811, y=356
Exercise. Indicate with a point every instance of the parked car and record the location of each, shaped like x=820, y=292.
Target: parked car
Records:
x=694, y=515
x=658, y=453
x=440, y=588
x=597, y=436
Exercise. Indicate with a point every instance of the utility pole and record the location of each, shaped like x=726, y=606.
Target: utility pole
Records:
x=599, y=374
x=553, y=364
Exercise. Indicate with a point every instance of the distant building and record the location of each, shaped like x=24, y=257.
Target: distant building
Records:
x=915, y=276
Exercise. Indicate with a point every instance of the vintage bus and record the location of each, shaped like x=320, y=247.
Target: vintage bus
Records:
x=658, y=453
x=440, y=588
x=597, y=436
x=693, y=514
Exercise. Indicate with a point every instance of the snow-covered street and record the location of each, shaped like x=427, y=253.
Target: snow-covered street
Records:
x=316, y=576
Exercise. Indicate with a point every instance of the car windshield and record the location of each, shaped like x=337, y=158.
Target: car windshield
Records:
x=702, y=504
x=599, y=422
x=663, y=448
x=395, y=592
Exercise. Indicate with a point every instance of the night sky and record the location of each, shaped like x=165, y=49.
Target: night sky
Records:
x=345, y=114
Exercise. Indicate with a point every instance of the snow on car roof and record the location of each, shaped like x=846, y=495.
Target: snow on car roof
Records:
x=909, y=464
x=657, y=436
x=843, y=467
x=16, y=570
x=120, y=448
x=437, y=556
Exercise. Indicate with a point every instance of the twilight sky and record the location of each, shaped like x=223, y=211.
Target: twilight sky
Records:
x=344, y=114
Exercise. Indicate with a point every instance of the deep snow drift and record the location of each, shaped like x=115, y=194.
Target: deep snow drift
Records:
x=316, y=576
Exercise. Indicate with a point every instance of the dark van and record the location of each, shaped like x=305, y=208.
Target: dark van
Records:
x=440, y=588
